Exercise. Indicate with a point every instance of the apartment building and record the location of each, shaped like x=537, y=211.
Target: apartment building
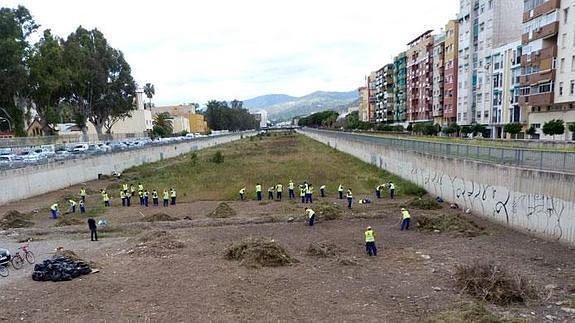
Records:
x=372, y=91
x=420, y=78
x=450, y=72
x=377, y=95
x=505, y=69
x=438, y=77
x=482, y=26
x=400, y=87
x=388, y=95
x=363, y=111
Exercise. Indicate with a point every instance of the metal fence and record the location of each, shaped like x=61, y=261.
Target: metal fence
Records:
x=64, y=139
x=527, y=158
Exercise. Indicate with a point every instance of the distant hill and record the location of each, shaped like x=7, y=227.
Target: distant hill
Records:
x=286, y=107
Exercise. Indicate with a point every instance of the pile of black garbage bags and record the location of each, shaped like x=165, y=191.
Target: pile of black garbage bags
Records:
x=60, y=268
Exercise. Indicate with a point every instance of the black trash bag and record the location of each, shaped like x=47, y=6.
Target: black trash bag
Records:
x=60, y=268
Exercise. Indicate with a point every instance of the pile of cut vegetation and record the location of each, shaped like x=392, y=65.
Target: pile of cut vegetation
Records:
x=156, y=244
x=452, y=223
x=61, y=252
x=259, y=252
x=466, y=312
x=222, y=211
x=425, y=203
x=329, y=212
x=159, y=217
x=14, y=219
x=324, y=249
x=67, y=220
x=492, y=283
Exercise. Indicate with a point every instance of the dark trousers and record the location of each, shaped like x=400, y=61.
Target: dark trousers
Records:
x=259, y=196
x=83, y=198
x=173, y=201
x=141, y=200
x=291, y=194
x=392, y=194
x=241, y=196
x=270, y=195
x=146, y=201
x=279, y=195
x=378, y=194
x=54, y=214
x=311, y=220
x=128, y=201
x=155, y=201
x=93, y=235
x=322, y=192
x=371, y=248
x=124, y=201
x=341, y=195
x=107, y=204
x=82, y=209
x=405, y=224
x=303, y=198
x=74, y=209
x=349, y=200
x=166, y=202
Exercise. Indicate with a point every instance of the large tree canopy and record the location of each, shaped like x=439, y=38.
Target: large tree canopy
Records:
x=221, y=117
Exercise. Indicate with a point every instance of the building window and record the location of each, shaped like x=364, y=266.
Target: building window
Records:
x=565, y=15
x=573, y=63
x=562, y=65
x=572, y=90
x=560, y=88
x=564, y=40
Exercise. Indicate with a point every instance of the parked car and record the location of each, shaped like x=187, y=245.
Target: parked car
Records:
x=81, y=148
x=6, y=160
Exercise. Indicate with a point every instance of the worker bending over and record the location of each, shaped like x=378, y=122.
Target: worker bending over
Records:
x=322, y=191
x=310, y=216
x=242, y=193
x=54, y=210
x=405, y=219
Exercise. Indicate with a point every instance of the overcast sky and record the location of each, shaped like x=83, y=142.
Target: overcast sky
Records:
x=193, y=51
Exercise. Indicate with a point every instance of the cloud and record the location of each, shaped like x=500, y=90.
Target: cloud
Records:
x=224, y=49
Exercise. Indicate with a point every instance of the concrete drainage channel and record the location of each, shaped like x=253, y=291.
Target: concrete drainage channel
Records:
x=17, y=184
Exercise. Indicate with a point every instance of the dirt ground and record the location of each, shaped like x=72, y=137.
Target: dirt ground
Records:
x=410, y=279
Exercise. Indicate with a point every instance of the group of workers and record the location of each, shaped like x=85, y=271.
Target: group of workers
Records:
x=306, y=191
x=127, y=192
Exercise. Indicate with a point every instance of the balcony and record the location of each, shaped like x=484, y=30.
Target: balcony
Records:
x=539, y=99
x=546, y=31
x=548, y=75
x=535, y=57
x=541, y=9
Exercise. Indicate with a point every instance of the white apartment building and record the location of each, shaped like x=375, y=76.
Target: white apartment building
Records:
x=438, y=77
x=483, y=26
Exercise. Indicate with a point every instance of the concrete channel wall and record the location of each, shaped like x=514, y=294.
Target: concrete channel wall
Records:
x=16, y=184
x=537, y=201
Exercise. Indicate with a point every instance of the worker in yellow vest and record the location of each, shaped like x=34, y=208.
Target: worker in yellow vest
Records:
x=242, y=193
x=405, y=219
x=54, y=210
x=302, y=194
x=123, y=197
x=378, y=191
x=141, y=195
x=125, y=188
x=322, y=190
x=349, y=196
x=146, y=198
x=310, y=214
x=391, y=187
x=83, y=194
x=132, y=190
x=290, y=189
x=259, y=191
x=106, y=199
x=340, y=191
x=370, y=242
x=173, y=196
x=166, y=197
x=155, y=198
x=72, y=206
x=140, y=187
x=279, y=191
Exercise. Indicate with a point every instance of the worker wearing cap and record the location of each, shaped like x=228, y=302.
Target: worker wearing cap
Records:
x=370, y=242
x=290, y=190
x=340, y=191
x=279, y=191
x=310, y=216
x=83, y=194
x=72, y=206
x=405, y=219
x=258, y=191
x=166, y=197
x=322, y=191
x=155, y=198
x=349, y=196
x=54, y=210
x=242, y=193
x=82, y=207
x=391, y=190
x=173, y=196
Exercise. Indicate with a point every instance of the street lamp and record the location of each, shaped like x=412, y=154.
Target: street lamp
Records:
x=2, y=120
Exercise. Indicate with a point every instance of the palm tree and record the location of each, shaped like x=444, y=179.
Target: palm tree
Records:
x=149, y=90
x=163, y=124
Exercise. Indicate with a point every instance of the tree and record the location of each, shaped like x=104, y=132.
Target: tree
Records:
x=235, y=104
x=16, y=25
x=162, y=125
x=101, y=86
x=513, y=129
x=452, y=129
x=324, y=118
x=466, y=130
x=48, y=77
x=149, y=91
x=572, y=130
x=554, y=127
x=531, y=131
x=478, y=129
x=220, y=116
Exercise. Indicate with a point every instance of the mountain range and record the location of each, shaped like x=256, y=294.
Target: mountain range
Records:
x=281, y=107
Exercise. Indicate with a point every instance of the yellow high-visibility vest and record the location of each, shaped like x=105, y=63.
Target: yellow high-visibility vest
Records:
x=72, y=203
x=302, y=192
x=369, y=236
x=106, y=197
x=258, y=188
x=154, y=194
x=291, y=185
x=310, y=213
x=405, y=214
x=166, y=195
x=279, y=188
x=140, y=187
x=125, y=187
x=173, y=194
x=122, y=195
x=349, y=194
x=340, y=188
x=54, y=207
x=82, y=192
x=243, y=191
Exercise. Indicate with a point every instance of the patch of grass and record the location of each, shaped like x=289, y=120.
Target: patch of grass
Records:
x=469, y=312
x=159, y=217
x=329, y=211
x=452, y=223
x=493, y=283
x=323, y=249
x=269, y=160
x=67, y=220
x=425, y=203
x=15, y=219
x=223, y=210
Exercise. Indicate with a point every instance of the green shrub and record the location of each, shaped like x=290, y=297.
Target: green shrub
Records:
x=218, y=157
